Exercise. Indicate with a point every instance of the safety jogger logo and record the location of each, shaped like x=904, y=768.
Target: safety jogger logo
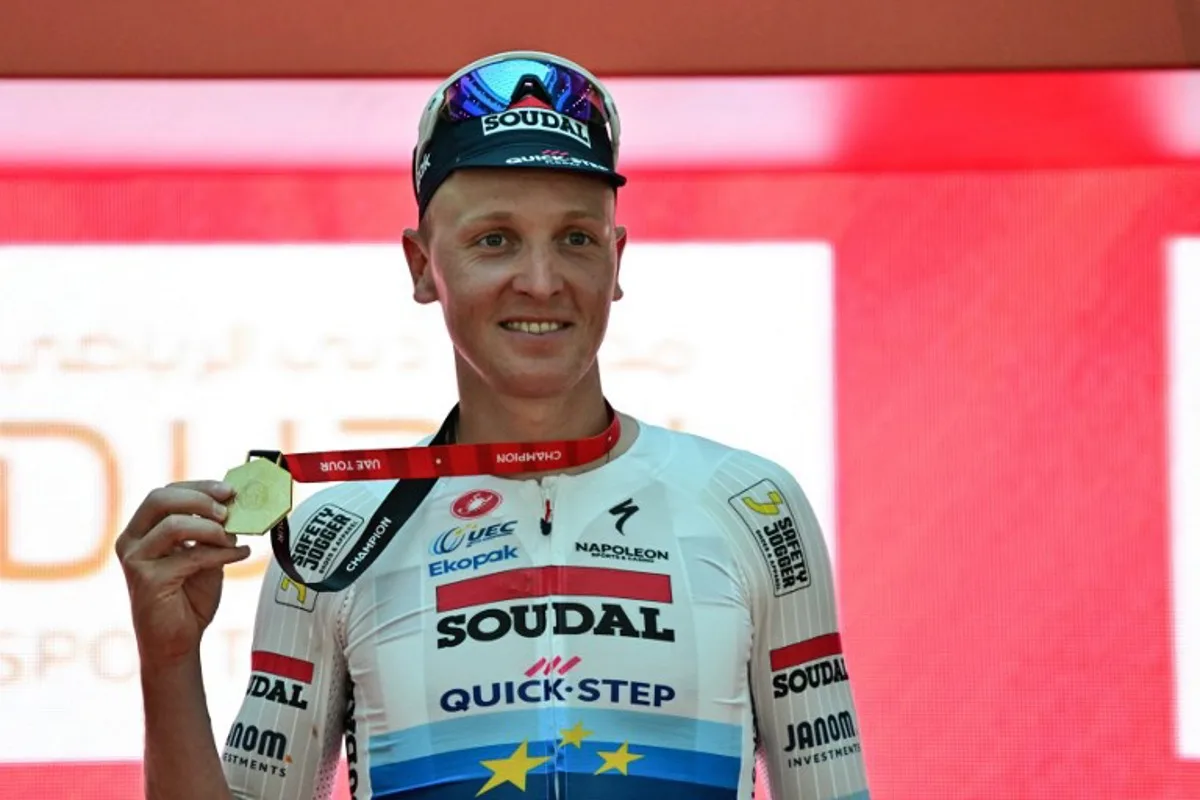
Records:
x=767, y=514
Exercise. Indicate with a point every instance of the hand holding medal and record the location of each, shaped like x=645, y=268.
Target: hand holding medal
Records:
x=263, y=496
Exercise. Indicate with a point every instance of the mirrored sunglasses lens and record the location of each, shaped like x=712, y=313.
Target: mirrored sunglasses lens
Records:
x=489, y=90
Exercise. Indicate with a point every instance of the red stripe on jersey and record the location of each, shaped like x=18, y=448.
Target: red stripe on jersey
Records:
x=281, y=665
x=809, y=650
x=517, y=584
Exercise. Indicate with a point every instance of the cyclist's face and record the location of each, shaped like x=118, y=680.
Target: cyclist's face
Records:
x=525, y=264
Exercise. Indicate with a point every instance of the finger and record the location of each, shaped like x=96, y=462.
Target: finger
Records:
x=230, y=538
x=217, y=490
x=203, y=498
x=181, y=565
x=176, y=530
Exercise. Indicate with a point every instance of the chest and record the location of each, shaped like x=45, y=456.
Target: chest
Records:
x=628, y=601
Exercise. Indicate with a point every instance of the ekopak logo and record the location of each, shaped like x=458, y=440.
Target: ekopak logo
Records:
x=470, y=563
x=449, y=541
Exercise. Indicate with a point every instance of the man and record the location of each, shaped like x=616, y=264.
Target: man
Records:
x=637, y=619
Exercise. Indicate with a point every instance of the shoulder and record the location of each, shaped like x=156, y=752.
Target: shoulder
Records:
x=357, y=498
x=326, y=526
x=758, y=507
x=717, y=467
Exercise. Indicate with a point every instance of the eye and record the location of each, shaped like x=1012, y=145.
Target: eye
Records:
x=492, y=240
x=579, y=239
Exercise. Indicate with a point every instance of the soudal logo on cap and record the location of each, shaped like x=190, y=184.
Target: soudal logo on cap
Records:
x=529, y=119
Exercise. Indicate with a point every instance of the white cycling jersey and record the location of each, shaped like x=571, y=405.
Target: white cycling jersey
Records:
x=677, y=621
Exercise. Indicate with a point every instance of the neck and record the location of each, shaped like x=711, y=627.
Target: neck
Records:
x=486, y=416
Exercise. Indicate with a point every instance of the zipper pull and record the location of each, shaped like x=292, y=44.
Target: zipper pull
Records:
x=548, y=510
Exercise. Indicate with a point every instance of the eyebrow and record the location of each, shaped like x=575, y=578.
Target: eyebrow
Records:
x=508, y=216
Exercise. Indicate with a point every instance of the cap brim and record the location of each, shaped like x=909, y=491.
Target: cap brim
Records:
x=536, y=155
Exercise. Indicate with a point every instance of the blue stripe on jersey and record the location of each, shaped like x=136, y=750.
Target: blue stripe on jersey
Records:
x=863, y=795
x=575, y=787
x=502, y=727
x=683, y=772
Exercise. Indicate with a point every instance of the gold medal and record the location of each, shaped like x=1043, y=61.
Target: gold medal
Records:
x=263, y=497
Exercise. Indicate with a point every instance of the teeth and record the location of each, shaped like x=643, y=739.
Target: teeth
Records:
x=533, y=327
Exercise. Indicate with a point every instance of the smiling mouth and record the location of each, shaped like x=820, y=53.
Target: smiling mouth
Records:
x=536, y=328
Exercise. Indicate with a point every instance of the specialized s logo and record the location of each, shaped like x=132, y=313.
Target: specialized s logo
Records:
x=526, y=119
x=623, y=511
x=777, y=536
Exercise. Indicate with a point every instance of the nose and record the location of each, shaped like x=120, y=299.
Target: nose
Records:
x=538, y=272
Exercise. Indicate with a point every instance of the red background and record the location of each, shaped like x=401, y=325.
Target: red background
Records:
x=1001, y=438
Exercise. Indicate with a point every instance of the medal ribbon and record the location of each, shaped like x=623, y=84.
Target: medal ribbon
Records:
x=443, y=460
x=416, y=470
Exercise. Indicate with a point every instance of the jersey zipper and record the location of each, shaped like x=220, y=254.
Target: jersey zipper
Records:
x=546, y=486
x=547, y=489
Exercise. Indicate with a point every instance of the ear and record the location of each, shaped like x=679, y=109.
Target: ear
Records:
x=618, y=293
x=416, y=252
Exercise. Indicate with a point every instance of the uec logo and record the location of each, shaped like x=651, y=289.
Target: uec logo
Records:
x=450, y=541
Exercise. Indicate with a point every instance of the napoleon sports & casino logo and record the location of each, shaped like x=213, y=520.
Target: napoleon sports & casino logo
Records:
x=637, y=614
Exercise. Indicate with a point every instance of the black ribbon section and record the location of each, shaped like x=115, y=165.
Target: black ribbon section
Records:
x=395, y=510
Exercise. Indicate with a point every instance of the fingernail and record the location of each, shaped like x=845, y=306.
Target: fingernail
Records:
x=220, y=511
x=232, y=539
x=224, y=488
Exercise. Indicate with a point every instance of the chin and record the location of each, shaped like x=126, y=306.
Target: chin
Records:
x=535, y=386
x=530, y=378
x=537, y=379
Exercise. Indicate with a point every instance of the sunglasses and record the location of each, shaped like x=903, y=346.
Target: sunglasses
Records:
x=495, y=84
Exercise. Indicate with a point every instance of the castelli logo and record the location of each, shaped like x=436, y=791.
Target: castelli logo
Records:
x=476, y=503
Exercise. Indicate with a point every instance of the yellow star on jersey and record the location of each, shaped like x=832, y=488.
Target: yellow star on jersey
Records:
x=618, y=759
x=574, y=735
x=512, y=769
